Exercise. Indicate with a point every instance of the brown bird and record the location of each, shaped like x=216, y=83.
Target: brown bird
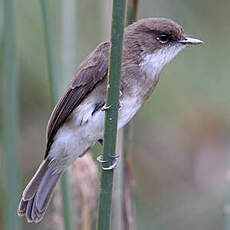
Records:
x=77, y=121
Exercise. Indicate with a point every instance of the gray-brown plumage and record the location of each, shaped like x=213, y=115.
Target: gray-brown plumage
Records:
x=91, y=71
x=77, y=121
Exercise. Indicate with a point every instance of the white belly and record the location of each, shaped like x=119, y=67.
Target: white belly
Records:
x=84, y=130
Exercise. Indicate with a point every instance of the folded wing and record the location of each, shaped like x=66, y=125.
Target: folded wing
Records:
x=92, y=71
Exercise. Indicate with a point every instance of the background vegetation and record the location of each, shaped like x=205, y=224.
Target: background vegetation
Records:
x=181, y=135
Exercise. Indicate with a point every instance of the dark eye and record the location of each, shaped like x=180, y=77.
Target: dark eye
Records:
x=163, y=38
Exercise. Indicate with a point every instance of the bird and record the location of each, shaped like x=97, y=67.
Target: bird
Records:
x=77, y=121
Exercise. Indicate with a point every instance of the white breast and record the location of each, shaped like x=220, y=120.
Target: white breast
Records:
x=153, y=63
x=128, y=108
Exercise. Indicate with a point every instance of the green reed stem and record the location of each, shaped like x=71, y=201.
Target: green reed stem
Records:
x=103, y=222
x=10, y=118
x=53, y=79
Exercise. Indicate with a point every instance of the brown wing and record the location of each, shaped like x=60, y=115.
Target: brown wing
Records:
x=91, y=71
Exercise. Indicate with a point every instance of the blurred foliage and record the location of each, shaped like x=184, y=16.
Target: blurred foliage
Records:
x=182, y=133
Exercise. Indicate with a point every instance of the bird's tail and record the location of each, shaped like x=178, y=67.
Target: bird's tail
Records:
x=37, y=194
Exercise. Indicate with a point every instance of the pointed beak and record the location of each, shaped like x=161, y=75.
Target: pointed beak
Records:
x=190, y=41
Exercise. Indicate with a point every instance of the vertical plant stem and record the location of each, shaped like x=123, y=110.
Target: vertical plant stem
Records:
x=131, y=16
x=117, y=222
x=70, y=22
x=127, y=211
x=227, y=201
x=10, y=119
x=65, y=201
x=52, y=70
x=112, y=113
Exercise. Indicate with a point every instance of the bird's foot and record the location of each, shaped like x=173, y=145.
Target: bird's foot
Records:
x=114, y=165
x=106, y=107
x=100, y=159
x=115, y=156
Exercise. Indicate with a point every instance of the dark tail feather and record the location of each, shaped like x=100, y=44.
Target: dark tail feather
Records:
x=37, y=194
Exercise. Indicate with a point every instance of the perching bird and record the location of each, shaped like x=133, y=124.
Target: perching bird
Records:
x=77, y=121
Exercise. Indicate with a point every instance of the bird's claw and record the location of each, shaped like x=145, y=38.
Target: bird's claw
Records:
x=106, y=107
x=113, y=166
x=114, y=161
x=115, y=156
x=100, y=159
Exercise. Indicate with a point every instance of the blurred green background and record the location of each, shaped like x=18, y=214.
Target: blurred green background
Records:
x=181, y=135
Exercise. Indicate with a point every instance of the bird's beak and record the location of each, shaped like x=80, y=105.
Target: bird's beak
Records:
x=190, y=41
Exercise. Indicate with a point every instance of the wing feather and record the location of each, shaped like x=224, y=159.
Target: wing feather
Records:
x=93, y=70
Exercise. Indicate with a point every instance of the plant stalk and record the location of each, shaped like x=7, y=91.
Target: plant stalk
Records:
x=127, y=210
x=111, y=115
x=53, y=79
x=10, y=118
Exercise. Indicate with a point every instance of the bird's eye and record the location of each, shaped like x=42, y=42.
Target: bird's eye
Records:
x=163, y=38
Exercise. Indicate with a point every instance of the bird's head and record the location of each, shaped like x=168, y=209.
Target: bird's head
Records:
x=157, y=40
